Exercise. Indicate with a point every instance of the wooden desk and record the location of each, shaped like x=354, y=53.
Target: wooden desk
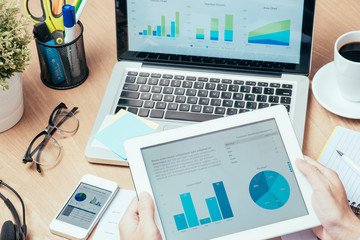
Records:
x=44, y=193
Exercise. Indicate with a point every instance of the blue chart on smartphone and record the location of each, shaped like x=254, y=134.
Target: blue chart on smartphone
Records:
x=84, y=205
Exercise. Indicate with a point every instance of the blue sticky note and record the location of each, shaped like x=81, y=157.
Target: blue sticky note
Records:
x=127, y=126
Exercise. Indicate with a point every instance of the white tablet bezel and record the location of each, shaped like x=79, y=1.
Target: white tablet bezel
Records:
x=141, y=180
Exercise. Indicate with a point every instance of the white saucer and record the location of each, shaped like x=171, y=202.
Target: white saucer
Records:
x=324, y=87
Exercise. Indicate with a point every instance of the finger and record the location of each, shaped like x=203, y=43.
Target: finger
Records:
x=319, y=231
x=324, y=170
x=146, y=211
x=131, y=214
x=312, y=173
x=307, y=168
x=331, y=175
x=133, y=207
x=314, y=163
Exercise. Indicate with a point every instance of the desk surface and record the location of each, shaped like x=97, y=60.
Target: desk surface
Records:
x=44, y=193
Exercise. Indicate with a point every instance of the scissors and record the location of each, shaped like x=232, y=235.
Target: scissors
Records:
x=54, y=21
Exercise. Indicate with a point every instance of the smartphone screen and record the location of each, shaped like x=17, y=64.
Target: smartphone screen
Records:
x=84, y=205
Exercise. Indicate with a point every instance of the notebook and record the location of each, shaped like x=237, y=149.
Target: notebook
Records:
x=182, y=62
x=346, y=141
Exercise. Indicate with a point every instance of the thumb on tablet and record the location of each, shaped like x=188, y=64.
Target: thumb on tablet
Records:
x=146, y=211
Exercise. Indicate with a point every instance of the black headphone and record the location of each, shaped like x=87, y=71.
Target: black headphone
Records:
x=9, y=230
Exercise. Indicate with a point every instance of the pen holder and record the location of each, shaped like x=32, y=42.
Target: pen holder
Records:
x=63, y=66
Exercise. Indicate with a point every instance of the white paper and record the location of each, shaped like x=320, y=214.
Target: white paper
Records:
x=346, y=141
x=108, y=226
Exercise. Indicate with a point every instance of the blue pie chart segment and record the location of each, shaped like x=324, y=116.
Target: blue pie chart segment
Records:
x=269, y=190
x=80, y=197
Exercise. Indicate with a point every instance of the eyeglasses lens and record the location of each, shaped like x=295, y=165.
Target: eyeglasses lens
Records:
x=48, y=150
x=66, y=121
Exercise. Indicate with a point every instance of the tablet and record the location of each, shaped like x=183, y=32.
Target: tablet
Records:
x=229, y=178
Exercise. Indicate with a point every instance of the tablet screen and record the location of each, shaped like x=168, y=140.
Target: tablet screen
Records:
x=223, y=182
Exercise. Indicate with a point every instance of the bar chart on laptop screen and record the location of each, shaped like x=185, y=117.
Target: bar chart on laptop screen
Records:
x=213, y=33
x=255, y=30
x=160, y=30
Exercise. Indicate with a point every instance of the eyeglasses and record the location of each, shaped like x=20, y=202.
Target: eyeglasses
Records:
x=44, y=149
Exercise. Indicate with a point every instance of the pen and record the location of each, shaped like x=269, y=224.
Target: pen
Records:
x=349, y=162
x=75, y=3
x=69, y=24
x=57, y=6
x=79, y=7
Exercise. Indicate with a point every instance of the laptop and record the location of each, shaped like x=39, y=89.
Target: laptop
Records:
x=183, y=62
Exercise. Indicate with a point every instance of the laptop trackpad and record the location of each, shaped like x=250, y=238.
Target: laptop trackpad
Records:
x=171, y=126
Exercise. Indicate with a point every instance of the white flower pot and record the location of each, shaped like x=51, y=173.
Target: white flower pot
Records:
x=11, y=103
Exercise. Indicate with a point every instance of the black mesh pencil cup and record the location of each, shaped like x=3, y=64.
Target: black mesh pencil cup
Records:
x=62, y=65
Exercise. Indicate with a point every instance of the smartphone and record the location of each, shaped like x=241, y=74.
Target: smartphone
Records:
x=83, y=209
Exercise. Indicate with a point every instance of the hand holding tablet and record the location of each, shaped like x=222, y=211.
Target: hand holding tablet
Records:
x=329, y=193
x=228, y=178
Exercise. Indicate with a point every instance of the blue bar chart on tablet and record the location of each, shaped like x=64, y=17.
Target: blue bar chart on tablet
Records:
x=219, y=208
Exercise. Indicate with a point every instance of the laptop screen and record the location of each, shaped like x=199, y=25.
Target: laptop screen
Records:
x=208, y=32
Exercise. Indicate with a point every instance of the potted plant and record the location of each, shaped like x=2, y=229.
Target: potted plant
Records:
x=14, y=57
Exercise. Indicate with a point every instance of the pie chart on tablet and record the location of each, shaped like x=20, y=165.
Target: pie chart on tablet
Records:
x=269, y=190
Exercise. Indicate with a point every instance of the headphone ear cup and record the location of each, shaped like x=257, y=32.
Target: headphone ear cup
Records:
x=8, y=231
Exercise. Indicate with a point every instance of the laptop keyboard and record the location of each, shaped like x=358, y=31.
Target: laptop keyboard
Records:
x=190, y=98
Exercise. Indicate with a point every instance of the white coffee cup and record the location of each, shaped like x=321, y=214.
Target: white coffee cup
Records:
x=347, y=72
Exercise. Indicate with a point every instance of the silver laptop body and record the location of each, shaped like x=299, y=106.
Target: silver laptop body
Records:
x=160, y=51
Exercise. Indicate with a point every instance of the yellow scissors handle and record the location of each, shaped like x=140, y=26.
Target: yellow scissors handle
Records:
x=53, y=22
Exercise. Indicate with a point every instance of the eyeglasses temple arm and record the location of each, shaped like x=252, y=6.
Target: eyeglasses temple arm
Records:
x=56, y=112
x=29, y=154
x=63, y=119
x=38, y=168
x=40, y=148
